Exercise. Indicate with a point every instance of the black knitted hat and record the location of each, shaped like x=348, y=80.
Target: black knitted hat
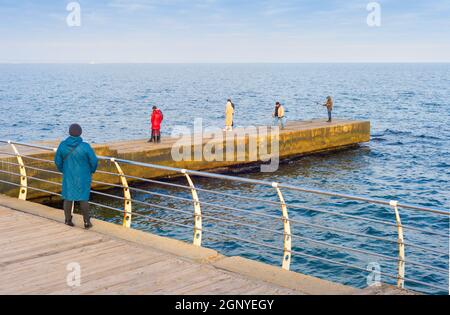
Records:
x=75, y=130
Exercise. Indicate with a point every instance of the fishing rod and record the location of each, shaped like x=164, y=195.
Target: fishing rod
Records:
x=318, y=103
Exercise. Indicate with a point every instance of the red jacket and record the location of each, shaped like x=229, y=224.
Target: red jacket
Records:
x=156, y=119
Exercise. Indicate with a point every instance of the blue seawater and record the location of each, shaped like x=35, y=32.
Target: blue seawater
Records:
x=407, y=159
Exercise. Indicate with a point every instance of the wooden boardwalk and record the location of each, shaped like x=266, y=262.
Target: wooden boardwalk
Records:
x=35, y=253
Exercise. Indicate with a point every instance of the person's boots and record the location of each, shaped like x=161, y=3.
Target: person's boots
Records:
x=69, y=222
x=158, y=139
x=152, y=137
x=87, y=224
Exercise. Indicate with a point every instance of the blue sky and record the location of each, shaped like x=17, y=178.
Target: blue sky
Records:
x=225, y=31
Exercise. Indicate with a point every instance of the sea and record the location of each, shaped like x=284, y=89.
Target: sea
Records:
x=407, y=158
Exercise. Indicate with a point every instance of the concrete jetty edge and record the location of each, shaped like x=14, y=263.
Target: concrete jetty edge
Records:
x=299, y=138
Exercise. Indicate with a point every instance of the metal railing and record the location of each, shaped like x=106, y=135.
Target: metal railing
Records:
x=198, y=216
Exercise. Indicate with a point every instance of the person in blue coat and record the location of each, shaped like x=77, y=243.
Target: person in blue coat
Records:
x=77, y=161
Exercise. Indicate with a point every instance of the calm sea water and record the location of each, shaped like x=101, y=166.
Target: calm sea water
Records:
x=407, y=159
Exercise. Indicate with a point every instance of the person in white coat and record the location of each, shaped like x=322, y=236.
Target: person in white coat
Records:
x=229, y=115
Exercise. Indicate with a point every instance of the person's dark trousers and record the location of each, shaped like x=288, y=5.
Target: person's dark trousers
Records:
x=156, y=136
x=329, y=116
x=84, y=207
x=152, y=137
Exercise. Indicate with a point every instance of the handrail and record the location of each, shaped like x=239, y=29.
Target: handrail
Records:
x=321, y=227
x=251, y=242
x=361, y=218
x=241, y=224
x=251, y=181
x=248, y=241
x=197, y=215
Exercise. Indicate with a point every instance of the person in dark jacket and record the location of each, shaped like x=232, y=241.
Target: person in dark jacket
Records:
x=278, y=115
x=77, y=161
x=156, y=120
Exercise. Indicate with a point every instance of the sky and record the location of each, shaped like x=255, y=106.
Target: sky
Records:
x=224, y=31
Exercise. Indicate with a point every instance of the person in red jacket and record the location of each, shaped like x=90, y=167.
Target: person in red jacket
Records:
x=156, y=120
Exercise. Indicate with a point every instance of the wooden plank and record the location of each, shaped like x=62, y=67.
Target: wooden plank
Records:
x=203, y=282
x=35, y=253
x=48, y=248
x=94, y=251
x=43, y=272
x=94, y=273
x=128, y=277
x=42, y=267
x=163, y=285
x=28, y=235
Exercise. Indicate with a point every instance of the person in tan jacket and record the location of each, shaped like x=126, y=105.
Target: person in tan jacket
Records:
x=229, y=114
x=329, y=105
x=278, y=115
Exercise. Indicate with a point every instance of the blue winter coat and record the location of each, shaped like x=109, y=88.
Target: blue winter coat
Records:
x=77, y=168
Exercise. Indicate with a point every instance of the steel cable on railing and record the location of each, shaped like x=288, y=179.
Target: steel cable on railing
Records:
x=281, y=233
x=292, y=235
x=320, y=258
x=243, y=240
x=236, y=238
x=360, y=218
x=190, y=213
x=33, y=168
x=252, y=181
x=280, y=185
x=31, y=177
x=248, y=225
x=290, y=219
x=248, y=211
x=256, y=182
x=32, y=188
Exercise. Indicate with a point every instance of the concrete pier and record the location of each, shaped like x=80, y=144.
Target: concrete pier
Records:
x=297, y=139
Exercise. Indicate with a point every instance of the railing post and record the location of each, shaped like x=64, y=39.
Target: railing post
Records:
x=23, y=174
x=197, y=212
x=401, y=247
x=126, y=195
x=287, y=244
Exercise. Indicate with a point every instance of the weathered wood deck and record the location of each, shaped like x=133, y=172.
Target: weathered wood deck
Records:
x=35, y=253
x=36, y=249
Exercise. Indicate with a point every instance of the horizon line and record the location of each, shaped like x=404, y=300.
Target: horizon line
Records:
x=217, y=62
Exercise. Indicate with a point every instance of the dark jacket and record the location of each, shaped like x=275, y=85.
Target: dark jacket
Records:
x=77, y=161
x=329, y=104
